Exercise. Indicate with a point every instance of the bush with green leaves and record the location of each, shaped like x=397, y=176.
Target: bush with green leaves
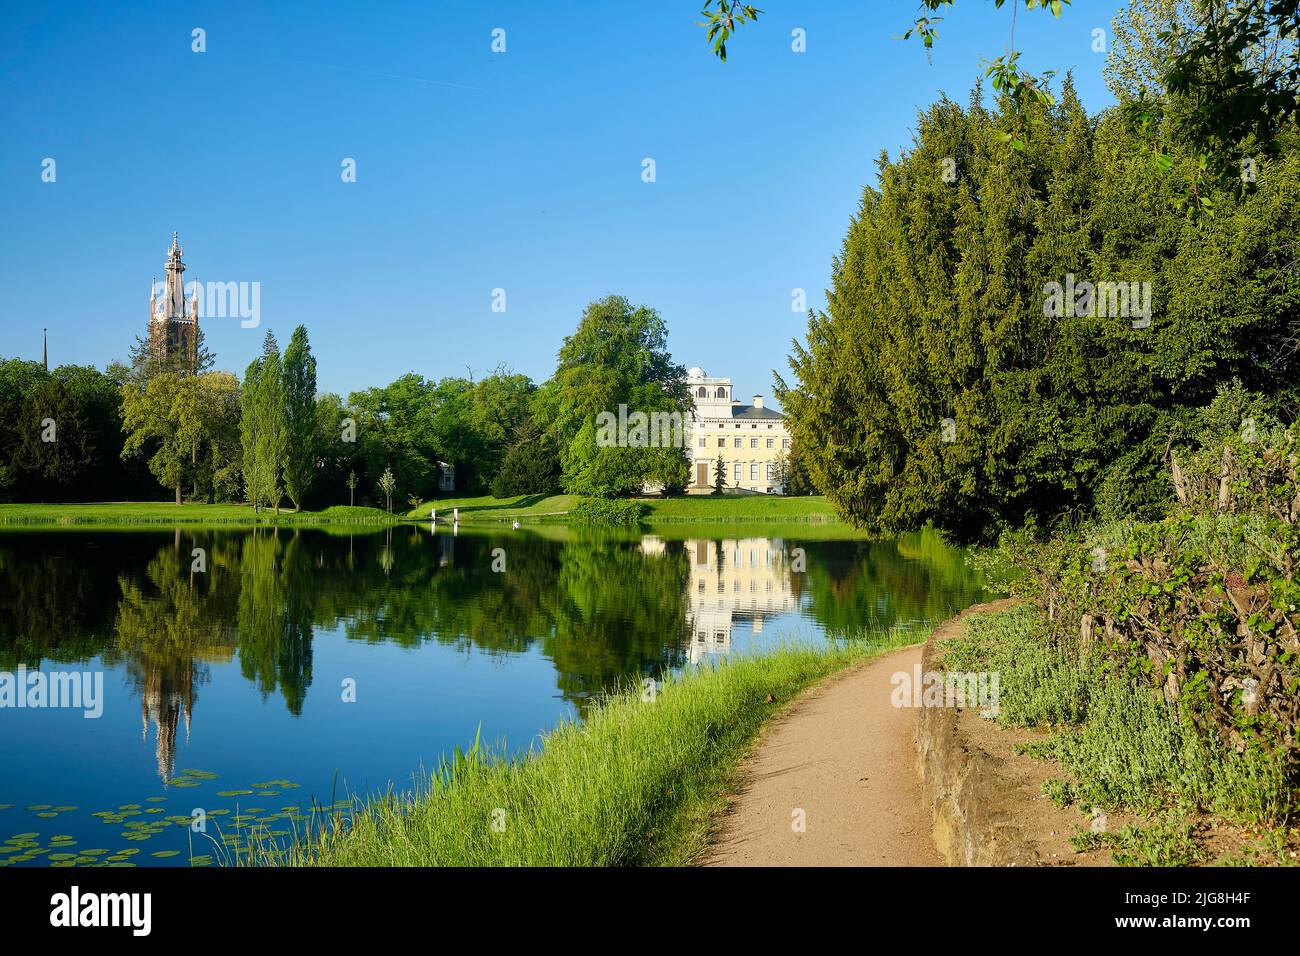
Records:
x=1123, y=743
x=606, y=511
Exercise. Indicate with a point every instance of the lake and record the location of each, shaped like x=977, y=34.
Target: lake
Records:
x=254, y=674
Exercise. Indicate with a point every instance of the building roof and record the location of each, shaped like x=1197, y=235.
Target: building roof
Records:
x=737, y=411
x=749, y=411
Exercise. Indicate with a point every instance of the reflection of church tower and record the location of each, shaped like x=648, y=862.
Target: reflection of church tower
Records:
x=174, y=323
x=163, y=700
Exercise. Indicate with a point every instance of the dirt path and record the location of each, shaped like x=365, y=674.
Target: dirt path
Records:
x=847, y=758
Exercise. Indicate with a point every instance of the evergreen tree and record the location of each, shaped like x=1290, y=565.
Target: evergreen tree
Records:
x=263, y=427
x=947, y=381
x=300, y=417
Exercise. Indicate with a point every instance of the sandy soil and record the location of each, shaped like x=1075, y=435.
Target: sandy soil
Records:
x=846, y=758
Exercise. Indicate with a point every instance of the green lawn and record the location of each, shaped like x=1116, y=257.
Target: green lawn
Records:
x=691, y=509
x=166, y=513
x=487, y=508
x=702, y=509
x=746, y=508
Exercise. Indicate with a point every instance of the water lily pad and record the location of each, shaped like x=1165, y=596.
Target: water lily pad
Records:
x=201, y=860
x=38, y=806
x=165, y=854
x=182, y=782
x=47, y=814
x=155, y=799
x=64, y=809
x=63, y=856
x=233, y=793
x=129, y=806
x=22, y=836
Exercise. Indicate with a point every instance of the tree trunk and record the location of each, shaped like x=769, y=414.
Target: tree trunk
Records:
x=1180, y=489
x=178, y=491
x=1225, y=475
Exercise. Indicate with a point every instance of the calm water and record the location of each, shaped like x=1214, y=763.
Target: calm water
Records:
x=303, y=666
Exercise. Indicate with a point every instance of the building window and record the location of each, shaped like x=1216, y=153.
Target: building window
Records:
x=721, y=392
x=753, y=443
x=771, y=472
x=704, y=442
x=769, y=425
x=755, y=425
x=701, y=392
x=771, y=442
x=753, y=472
x=739, y=471
x=722, y=443
x=737, y=442
x=785, y=443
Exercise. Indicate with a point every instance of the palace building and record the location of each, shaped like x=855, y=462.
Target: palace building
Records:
x=751, y=440
x=173, y=322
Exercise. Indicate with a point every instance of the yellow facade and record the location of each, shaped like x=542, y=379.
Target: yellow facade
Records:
x=752, y=440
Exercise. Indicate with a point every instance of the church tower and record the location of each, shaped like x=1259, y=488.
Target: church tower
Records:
x=173, y=322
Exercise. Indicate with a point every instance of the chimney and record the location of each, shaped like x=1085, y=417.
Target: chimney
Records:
x=758, y=401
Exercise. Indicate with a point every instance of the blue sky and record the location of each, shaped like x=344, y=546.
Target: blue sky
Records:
x=475, y=170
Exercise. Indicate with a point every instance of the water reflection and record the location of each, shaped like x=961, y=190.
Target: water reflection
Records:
x=603, y=610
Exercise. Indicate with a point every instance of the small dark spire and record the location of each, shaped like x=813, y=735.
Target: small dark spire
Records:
x=45, y=349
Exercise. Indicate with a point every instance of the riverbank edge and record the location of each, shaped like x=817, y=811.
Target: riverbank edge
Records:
x=635, y=784
x=165, y=514
x=731, y=511
x=960, y=781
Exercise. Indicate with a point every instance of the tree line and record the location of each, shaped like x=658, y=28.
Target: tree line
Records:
x=139, y=426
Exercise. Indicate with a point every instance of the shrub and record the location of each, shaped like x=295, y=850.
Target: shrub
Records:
x=531, y=467
x=606, y=511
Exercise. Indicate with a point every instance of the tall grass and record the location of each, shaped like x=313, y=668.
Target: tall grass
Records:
x=1125, y=746
x=639, y=782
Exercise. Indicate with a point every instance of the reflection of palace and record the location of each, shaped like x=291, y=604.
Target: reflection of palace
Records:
x=730, y=581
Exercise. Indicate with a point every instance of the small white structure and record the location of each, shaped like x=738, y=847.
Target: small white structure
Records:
x=446, y=476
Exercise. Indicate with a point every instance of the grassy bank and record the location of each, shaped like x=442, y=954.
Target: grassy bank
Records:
x=751, y=509
x=1121, y=747
x=129, y=513
x=639, y=783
